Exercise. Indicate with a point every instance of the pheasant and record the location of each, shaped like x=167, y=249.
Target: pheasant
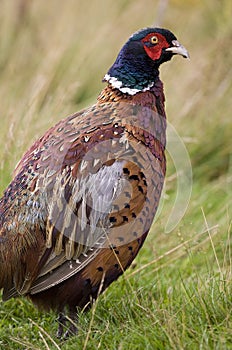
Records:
x=84, y=196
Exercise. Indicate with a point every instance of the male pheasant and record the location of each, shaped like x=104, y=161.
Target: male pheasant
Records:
x=84, y=195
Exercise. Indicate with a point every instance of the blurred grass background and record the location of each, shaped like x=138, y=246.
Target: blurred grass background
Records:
x=53, y=56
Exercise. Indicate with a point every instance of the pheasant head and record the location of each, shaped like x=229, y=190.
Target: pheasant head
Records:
x=137, y=66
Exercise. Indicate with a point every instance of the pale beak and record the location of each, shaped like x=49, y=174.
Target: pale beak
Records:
x=178, y=49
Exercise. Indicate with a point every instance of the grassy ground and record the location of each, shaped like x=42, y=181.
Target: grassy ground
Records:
x=53, y=55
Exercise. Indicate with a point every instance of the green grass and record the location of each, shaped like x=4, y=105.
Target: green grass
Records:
x=177, y=294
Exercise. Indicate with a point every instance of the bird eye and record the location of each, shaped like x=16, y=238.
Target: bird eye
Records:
x=154, y=40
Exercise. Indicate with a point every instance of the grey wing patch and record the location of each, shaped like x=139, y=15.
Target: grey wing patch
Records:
x=78, y=208
x=103, y=188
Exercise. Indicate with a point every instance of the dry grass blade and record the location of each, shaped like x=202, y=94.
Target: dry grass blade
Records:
x=46, y=334
x=176, y=257
x=93, y=313
x=24, y=343
x=227, y=254
x=211, y=241
x=170, y=252
x=44, y=340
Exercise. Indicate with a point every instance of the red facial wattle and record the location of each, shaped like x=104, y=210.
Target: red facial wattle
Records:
x=154, y=51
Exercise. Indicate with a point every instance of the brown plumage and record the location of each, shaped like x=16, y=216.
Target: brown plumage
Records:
x=84, y=195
